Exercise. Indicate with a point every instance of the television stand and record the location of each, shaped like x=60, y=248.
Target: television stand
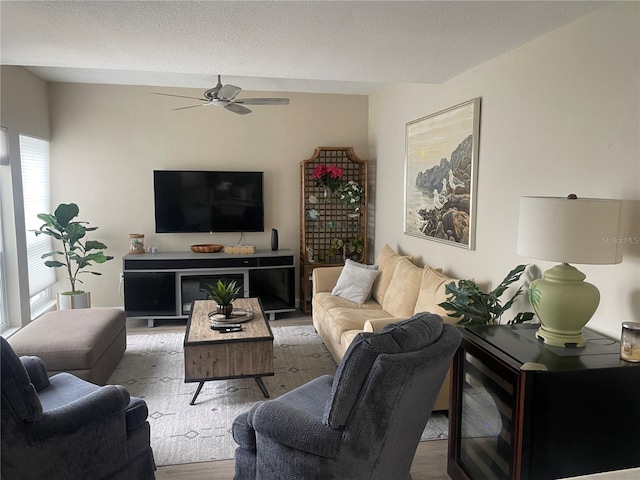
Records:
x=163, y=286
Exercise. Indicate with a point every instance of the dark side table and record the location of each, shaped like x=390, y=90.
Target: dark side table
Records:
x=521, y=409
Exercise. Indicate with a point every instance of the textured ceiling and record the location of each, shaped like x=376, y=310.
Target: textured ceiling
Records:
x=326, y=46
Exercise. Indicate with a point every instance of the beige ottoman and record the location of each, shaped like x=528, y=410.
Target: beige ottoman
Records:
x=87, y=342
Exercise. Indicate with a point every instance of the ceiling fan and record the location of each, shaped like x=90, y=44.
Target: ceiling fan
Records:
x=225, y=96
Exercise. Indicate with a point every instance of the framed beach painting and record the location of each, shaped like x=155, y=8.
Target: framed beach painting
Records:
x=440, y=175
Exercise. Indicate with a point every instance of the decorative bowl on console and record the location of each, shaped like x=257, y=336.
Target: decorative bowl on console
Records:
x=206, y=248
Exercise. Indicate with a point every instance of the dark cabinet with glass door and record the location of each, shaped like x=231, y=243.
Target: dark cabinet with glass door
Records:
x=524, y=410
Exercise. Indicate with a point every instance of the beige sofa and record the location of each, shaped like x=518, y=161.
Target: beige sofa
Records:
x=401, y=289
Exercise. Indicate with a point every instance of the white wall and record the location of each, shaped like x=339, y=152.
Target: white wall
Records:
x=24, y=110
x=107, y=140
x=559, y=115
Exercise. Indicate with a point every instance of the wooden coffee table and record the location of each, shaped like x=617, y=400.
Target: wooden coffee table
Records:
x=211, y=355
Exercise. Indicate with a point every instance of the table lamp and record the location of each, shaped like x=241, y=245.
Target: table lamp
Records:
x=567, y=230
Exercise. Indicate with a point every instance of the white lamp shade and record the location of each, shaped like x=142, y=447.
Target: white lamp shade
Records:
x=584, y=231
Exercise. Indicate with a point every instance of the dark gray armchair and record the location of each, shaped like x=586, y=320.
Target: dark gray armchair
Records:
x=66, y=428
x=364, y=423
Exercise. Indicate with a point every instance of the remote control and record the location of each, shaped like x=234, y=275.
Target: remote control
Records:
x=231, y=330
x=226, y=329
x=226, y=326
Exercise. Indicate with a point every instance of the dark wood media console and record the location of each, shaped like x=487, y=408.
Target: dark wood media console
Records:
x=164, y=285
x=522, y=410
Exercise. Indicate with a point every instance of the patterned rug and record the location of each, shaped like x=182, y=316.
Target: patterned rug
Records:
x=153, y=369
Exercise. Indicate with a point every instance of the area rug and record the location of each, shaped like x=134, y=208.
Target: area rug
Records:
x=153, y=369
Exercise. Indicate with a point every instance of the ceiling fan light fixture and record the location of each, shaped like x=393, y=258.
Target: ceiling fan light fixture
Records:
x=216, y=103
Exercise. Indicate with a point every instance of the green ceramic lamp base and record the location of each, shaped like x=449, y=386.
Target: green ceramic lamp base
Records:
x=559, y=339
x=564, y=303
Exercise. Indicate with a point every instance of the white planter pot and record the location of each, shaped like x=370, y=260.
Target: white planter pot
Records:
x=68, y=302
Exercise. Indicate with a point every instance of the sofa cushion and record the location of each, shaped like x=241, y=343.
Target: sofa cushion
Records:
x=402, y=293
x=343, y=319
x=355, y=281
x=329, y=302
x=348, y=316
x=432, y=293
x=386, y=262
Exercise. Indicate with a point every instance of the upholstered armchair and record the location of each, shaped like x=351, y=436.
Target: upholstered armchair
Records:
x=363, y=423
x=66, y=428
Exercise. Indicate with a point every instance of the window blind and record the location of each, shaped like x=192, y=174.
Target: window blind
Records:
x=34, y=155
x=4, y=160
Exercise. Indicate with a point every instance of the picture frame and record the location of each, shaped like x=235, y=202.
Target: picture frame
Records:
x=441, y=162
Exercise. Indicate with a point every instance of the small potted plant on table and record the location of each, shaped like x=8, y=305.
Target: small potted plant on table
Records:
x=224, y=294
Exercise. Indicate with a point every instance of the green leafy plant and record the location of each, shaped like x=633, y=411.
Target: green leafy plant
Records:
x=223, y=293
x=348, y=247
x=77, y=252
x=474, y=307
x=351, y=194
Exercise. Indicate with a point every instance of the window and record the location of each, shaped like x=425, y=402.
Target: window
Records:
x=4, y=160
x=4, y=315
x=34, y=154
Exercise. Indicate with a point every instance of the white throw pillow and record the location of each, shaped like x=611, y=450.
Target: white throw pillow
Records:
x=355, y=281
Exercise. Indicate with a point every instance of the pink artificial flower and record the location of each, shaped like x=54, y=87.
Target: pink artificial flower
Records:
x=319, y=172
x=328, y=176
x=335, y=171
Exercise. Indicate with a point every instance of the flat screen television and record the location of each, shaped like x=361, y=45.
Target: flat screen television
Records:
x=208, y=201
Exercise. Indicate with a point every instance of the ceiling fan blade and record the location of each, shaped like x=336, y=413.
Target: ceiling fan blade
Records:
x=229, y=92
x=239, y=109
x=263, y=101
x=179, y=96
x=190, y=106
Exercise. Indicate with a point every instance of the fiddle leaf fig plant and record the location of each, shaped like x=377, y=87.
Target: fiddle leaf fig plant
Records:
x=475, y=307
x=77, y=252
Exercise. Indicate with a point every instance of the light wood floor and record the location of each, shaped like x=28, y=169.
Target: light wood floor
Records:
x=430, y=461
